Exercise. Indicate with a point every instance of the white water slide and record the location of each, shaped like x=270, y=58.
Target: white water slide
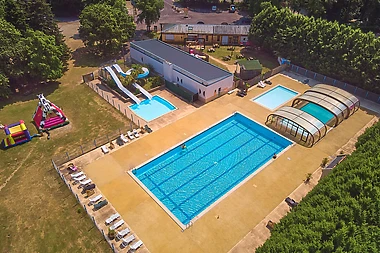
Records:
x=121, y=87
x=143, y=91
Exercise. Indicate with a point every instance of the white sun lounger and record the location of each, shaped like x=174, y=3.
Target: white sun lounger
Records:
x=83, y=183
x=112, y=218
x=95, y=199
x=122, y=233
x=105, y=149
x=261, y=84
x=130, y=135
x=127, y=240
x=136, y=245
x=124, y=138
x=80, y=178
x=135, y=133
x=117, y=224
x=77, y=174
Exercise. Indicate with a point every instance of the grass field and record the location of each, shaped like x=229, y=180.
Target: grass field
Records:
x=38, y=213
x=267, y=61
x=218, y=64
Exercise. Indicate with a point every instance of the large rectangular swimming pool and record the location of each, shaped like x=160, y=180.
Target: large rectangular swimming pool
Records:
x=275, y=97
x=187, y=180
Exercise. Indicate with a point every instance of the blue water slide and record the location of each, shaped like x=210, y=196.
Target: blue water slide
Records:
x=145, y=74
x=121, y=87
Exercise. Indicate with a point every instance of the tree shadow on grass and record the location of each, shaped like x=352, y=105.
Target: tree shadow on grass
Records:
x=84, y=58
x=266, y=59
x=30, y=92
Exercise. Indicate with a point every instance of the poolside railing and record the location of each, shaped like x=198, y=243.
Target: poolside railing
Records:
x=56, y=167
x=331, y=81
x=82, y=149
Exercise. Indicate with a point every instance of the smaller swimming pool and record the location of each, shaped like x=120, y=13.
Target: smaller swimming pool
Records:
x=151, y=109
x=318, y=112
x=275, y=97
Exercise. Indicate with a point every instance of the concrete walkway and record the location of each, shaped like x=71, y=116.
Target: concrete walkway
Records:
x=259, y=234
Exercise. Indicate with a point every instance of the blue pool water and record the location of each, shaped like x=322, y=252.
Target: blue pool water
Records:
x=152, y=109
x=189, y=180
x=318, y=112
x=275, y=97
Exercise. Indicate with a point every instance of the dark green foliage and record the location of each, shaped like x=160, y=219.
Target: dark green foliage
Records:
x=330, y=48
x=341, y=214
x=4, y=86
x=254, y=6
x=32, y=49
x=115, y=3
x=367, y=11
x=149, y=11
x=104, y=28
x=66, y=8
x=43, y=57
x=11, y=51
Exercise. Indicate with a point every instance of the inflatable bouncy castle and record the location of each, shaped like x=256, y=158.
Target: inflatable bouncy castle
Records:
x=16, y=134
x=48, y=116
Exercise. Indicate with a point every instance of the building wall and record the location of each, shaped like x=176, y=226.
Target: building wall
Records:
x=144, y=59
x=209, y=38
x=185, y=79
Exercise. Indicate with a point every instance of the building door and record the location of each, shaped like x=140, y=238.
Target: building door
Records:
x=224, y=40
x=219, y=90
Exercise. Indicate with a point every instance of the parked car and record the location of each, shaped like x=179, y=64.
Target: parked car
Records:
x=213, y=8
x=291, y=202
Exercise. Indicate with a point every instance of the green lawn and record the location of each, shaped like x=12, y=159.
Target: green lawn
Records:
x=218, y=64
x=267, y=61
x=38, y=213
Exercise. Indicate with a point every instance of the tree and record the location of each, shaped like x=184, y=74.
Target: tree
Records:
x=63, y=8
x=43, y=56
x=104, y=28
x=36, y=15
x=149, y=11
x=4, y=86
x=330, y=48
x=115, y=3
x=12, y=52
x=341, y=214
x=255, y=5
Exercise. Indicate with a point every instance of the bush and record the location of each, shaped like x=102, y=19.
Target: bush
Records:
x=341, y=214
x=330, y=48
x=156, y=81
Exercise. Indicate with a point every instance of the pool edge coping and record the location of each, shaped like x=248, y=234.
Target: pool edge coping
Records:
x=149, y=121
x=162, y=205
x=274, y=109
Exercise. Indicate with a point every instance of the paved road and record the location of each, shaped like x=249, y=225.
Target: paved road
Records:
x=168, y=15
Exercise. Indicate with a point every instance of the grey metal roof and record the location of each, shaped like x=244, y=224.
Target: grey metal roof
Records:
x=207, y=29
x=350, y=101
x=303, y=119
x=330, y=104
x=183, y=60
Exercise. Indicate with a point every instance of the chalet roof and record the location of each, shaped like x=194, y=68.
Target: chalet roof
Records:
x=250, y=64
x=206, y=29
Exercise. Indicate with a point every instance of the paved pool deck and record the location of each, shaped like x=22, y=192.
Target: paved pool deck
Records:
x=220, y=229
